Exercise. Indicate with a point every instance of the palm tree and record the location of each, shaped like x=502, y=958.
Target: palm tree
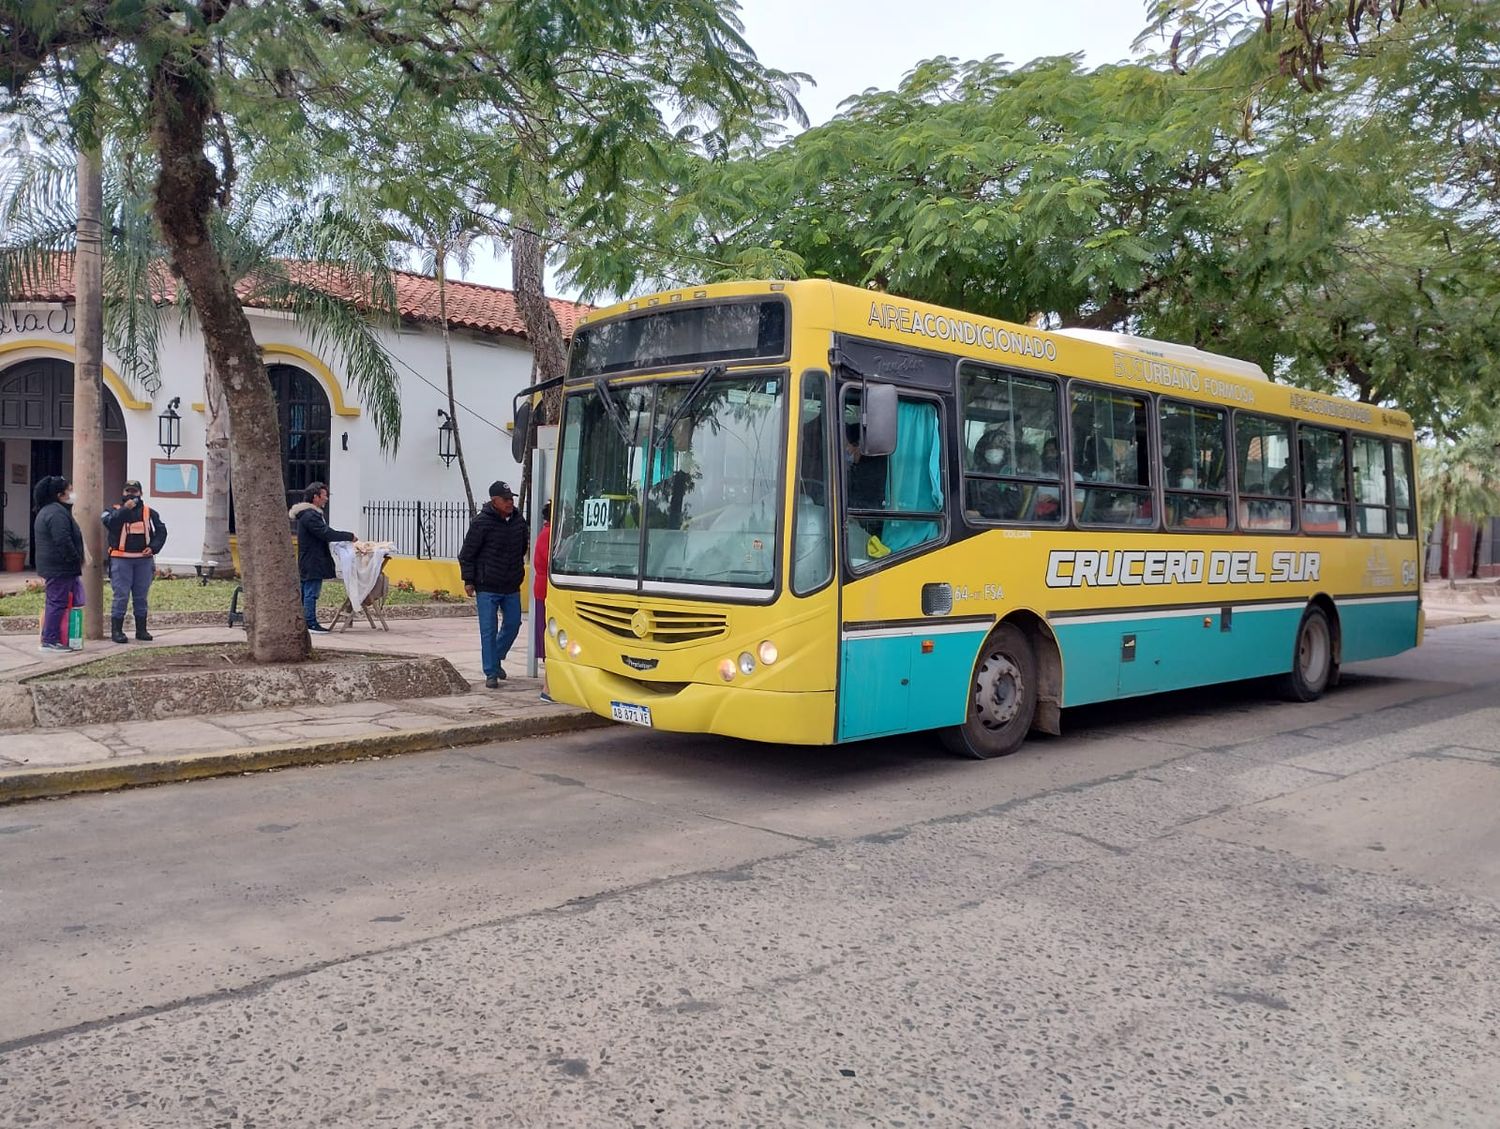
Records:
x=439, y=225
x=305, y=256
x=1460, y=481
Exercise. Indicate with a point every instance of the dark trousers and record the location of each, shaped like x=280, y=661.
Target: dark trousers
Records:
x=60, y=590
x=311, y=590
x=130, y=580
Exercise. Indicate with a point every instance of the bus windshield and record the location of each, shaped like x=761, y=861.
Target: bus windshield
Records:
x=693, y=503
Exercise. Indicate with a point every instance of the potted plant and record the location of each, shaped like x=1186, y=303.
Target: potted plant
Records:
x=14, y=556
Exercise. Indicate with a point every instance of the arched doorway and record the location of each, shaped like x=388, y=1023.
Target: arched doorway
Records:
x=36, y=438
x=305, y=420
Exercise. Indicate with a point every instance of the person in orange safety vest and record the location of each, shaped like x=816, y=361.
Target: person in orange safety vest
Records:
x=135, y=533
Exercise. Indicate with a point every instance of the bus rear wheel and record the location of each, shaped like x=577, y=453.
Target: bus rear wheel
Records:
x=1002, y=698
x=1312, y=658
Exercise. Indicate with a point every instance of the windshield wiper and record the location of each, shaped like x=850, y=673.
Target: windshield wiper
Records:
x=613, y=409
x=687, y=402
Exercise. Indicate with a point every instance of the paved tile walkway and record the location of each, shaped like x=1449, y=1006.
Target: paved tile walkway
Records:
x=454, y=639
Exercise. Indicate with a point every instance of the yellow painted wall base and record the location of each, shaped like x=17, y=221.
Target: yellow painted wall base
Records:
x=428, y=576
x=425, y=576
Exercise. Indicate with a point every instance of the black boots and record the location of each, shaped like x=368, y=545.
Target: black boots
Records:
x=140, y=629
x=117, y=629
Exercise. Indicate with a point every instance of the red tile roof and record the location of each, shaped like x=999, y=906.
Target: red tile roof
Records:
x=484, y=309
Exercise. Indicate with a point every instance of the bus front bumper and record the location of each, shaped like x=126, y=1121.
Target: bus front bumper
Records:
x=728, y=711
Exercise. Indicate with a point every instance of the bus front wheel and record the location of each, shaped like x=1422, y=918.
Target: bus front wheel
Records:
x=1312, y=658
x=1002, y=698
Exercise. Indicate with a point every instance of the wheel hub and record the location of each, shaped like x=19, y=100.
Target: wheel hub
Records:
x=998, y=691
x=1312, y=654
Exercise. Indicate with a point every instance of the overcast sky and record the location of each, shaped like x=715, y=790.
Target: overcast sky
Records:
x=848, y=46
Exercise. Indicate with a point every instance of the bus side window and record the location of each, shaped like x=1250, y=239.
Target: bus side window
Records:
x=894, y=502
x=1372, y=486
x=812, y=548
x=1011, y=428
x=1325, y=501
x=1112, y=466
x=1401, y=480
x=1263, y=456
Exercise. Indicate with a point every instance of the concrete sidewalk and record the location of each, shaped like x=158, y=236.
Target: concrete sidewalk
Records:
x=36, y=762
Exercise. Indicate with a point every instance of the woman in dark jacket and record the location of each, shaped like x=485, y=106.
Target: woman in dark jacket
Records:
x=58, y=543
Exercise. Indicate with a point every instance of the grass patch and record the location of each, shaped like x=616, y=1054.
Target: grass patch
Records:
x=185, y=594
x=191, y=658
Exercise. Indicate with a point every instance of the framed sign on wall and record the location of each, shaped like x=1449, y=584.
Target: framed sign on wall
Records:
x=177, y=478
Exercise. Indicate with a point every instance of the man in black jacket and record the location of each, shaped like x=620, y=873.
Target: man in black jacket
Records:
x=59, y=555
x=493, y=564
x=135, y=533
x=314, y=561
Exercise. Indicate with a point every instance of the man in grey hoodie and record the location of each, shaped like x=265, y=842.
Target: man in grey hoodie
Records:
x=59, y=555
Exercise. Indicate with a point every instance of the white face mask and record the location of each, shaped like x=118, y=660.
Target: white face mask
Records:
x=66, y=499
x=994, y=457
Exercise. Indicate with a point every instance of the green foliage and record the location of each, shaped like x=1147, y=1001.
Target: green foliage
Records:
x=279, y=249
x=1321, y=200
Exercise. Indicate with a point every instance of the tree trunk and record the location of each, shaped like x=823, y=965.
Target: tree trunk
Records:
x=1447, y=557
x=549, y=354
x=185, y=197
x=549, y=357
x=458, y=441
x=88, y=387
x=215, y=474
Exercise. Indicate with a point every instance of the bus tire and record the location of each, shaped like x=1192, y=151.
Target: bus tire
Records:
x=1312, y=658
x=1002, y=698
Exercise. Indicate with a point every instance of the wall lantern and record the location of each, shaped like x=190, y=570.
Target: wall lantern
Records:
x=447, y=433
x=169, y=427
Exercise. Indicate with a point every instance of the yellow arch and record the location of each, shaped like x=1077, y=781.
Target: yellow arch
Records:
x=306, y=360
x=44, y=346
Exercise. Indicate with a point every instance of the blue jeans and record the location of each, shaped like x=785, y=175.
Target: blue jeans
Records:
x=495, y=645
x=311, y=590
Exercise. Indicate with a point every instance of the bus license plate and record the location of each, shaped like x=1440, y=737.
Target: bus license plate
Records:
x=630, y=714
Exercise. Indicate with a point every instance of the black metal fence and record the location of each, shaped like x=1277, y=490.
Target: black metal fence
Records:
x=425, y=530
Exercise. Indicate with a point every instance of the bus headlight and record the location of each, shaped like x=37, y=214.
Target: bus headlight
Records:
x=747, y=663
x=768, y=652
x=575, y=650
x=726, y=670
x=562, y=640
x=552, y=627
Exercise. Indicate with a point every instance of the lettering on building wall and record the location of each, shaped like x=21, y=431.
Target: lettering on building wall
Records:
x=17, y=323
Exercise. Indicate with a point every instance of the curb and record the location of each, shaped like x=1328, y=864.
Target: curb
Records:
x=19, y=784
x=1455, y=619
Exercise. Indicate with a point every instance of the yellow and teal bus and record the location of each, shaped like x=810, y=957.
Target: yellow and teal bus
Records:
x=804, y=512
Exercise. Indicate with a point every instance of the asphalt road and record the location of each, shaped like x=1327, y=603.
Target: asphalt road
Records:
x=1208, y=908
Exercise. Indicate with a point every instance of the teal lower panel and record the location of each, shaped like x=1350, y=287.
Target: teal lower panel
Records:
x=887, y=684
x=1172, y=653
x=1374, y=630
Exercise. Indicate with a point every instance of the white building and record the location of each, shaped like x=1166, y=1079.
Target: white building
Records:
x=326, y=433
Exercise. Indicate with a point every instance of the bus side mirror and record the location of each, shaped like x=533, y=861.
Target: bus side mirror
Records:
x=877, y=423
x=519, y=433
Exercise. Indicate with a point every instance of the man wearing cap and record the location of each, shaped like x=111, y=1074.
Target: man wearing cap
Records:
x=493, y=564
x=135, y=533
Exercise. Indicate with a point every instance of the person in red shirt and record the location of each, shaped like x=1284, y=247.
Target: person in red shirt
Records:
x=540, y=555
